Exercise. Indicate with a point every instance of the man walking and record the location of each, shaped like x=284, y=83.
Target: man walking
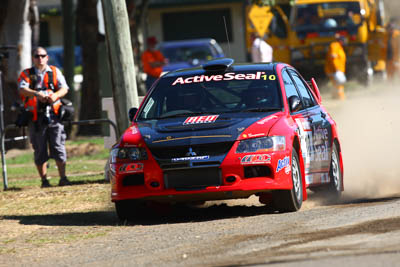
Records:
x=41, y=88
x=335, y=66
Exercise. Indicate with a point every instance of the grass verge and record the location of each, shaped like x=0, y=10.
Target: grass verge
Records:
x=32, y=217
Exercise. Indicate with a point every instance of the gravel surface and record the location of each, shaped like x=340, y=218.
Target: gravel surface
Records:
x=362, y=230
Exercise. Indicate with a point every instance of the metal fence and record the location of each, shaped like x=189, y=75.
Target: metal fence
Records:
x=3, y=131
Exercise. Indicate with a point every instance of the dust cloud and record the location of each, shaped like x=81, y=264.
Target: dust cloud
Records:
x=392, y=7
x=368, y=123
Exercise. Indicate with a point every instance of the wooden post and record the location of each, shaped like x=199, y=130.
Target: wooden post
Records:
x=121, y=60
x=34, y=22
x=68, y=15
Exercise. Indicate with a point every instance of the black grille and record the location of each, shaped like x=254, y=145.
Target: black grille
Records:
x=188, y=164
x=192, y=179
x=133, y=179
x=257, y=171
x=213, y=149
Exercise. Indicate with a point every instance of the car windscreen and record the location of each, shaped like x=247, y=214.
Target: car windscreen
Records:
x=242, y=91
x=325, y=17
x=187, y=53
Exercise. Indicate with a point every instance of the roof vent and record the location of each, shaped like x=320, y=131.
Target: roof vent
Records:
x=220, y=64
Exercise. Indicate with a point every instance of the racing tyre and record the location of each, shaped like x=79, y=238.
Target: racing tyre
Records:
x=335, y=175
x=125, y=209
x=291, y=200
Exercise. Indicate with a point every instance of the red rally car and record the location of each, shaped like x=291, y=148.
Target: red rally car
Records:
x=223, y=131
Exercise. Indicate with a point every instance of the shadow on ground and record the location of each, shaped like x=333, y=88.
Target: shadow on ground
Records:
x=149, y=216
x=164, y=214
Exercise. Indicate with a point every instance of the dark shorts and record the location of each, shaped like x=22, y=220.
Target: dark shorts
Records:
x=48, y=137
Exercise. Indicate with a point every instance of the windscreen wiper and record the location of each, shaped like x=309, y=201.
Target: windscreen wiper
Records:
x=261, y=109
x=184, y=115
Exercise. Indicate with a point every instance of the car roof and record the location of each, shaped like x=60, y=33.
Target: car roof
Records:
x=233, y=67
x=189, y=42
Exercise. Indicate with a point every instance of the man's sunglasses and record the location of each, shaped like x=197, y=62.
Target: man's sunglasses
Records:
x=38, y=56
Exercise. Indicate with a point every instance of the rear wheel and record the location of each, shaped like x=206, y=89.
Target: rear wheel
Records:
x=331, y=191
x=335, y=175
x=291, y=200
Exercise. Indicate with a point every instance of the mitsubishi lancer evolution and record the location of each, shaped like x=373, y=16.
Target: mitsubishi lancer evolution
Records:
x=226, y=130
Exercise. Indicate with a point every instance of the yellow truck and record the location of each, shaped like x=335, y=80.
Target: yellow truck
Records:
x=300, y=32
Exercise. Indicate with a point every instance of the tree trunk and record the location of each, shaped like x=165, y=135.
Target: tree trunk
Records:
x=3, y=13
x=34, y=22
x=137, y=11
x=15, y=32
x=87, y=26
x=119, y=48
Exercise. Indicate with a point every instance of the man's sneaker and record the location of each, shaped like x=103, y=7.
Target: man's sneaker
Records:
x=64, y=181
x=45, y=183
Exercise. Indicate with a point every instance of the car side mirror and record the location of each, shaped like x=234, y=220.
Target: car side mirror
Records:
x=294, y=103
x=132, y=113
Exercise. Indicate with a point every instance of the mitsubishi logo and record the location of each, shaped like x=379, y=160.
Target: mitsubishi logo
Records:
x=191, y=153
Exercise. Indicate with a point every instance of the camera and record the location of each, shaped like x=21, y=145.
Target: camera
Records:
x=45, y=108
x=16, y=106
x=24, y=116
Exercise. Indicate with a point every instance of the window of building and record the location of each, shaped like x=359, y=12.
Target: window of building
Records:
x=197, y=24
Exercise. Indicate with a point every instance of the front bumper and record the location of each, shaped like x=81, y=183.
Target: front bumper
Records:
x=237, y=176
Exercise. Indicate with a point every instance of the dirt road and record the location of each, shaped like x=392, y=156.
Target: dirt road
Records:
x=363, y=230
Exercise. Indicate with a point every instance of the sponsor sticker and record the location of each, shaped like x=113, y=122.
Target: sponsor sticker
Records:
x=132, y=145
x=190, y=158
x=265, y=120
x=225, y=77
x=134, y=130
x=147, y=108
x=256, y=135
x=201, y=119
x=251, y=135
x=283, y=163
x=131, y=167
x=256, y=159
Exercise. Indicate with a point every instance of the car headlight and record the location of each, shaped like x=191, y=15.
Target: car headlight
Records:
x=132, y=153
x=270, y=143
x=297, y=55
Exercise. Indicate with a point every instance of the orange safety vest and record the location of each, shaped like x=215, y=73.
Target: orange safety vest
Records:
x=149, y=57
x=31, y=103
x=335, y=58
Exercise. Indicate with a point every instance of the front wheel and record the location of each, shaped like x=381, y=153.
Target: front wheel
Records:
x=126, y=209
x=291, y=200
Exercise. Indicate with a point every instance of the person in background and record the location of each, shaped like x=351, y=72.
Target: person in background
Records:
x=261, y=51
x=392, y=50
x=152, y=61
x=41, y=88
x=335, y=66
